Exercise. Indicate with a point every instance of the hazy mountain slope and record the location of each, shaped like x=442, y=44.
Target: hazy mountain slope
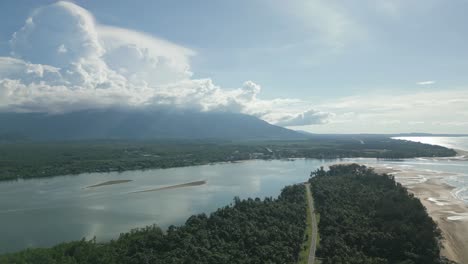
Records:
x=120, y=124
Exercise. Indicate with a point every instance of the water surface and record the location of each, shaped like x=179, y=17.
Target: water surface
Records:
x=449, y=142
x=46, y=211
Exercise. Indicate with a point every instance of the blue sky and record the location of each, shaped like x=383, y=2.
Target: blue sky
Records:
x=323, y=66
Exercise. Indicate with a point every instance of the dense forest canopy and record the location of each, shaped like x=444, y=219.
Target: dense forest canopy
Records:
x=248, y=231
x=369, y=218
x=25, y=159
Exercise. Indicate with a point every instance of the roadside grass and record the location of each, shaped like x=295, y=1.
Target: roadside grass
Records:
x=304, y=254
x=317, y=217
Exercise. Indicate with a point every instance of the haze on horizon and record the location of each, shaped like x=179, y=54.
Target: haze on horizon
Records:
x=388, y=66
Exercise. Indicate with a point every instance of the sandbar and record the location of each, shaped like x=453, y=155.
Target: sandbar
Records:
x=188, y=184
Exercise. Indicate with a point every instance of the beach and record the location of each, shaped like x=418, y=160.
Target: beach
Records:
x=450, y=213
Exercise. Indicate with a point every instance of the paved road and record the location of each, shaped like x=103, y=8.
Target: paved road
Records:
x=313, y=244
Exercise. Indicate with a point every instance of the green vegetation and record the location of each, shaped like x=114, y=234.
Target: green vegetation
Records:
x=369, y=218
x=304, y=254
x=249, y=231
x=24, y=159
x=317, y=216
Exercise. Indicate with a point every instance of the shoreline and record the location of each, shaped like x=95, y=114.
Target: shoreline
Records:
x=450, y=213
x=462, y=153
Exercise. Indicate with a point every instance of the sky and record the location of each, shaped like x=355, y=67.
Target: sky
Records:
x=323, y=66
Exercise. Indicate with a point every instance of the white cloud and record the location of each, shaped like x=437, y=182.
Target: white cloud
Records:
x=444, y=111
x=62, y=60
x=306, y=118
x=50, y=27
x=425, y=82
x=138, y=56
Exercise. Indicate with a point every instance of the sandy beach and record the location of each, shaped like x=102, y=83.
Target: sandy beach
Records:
x=450, y=213
x=462, y=154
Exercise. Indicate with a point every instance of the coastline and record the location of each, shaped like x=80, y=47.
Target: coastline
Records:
x=450, y=213
x=462, y=153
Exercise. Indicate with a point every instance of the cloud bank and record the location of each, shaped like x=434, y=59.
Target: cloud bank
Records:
x=63, y=60
x=442, y=111
x=305, y=118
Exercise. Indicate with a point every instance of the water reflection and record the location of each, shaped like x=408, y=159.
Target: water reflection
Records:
x=42, y=212
x=449, y=142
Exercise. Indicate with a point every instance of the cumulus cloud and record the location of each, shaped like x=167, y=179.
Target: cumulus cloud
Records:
x=63, y=60
x=57, y=35
x=305, y=118
x=140, y=57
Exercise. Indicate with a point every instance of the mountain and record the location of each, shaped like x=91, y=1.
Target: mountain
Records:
x=139, y=124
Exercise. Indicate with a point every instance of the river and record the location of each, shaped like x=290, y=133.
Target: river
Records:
x=46, y=211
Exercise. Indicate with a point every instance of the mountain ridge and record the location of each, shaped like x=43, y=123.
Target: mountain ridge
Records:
x=139, y=124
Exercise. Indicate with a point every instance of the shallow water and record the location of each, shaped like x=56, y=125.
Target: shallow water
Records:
x=43, y=212
x=46, y=211
x=449, y=142
x=459, y=168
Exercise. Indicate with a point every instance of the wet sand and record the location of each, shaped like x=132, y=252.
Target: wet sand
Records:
x=188, y=184
x=450, y=213
x=463, y=154
x=108, y=183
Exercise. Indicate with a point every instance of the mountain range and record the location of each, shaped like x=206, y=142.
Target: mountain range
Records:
x=139, y=124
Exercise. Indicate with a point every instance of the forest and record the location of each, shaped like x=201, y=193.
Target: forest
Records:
x=369, y=218
x=247, y=231
x=30, y=159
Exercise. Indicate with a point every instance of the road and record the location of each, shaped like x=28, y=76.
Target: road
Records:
x=313, y=244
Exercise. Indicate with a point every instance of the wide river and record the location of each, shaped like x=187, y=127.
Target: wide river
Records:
x=46, y=211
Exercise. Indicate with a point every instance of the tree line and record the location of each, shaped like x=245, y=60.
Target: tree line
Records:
x=30, y=159
x=366, y=217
